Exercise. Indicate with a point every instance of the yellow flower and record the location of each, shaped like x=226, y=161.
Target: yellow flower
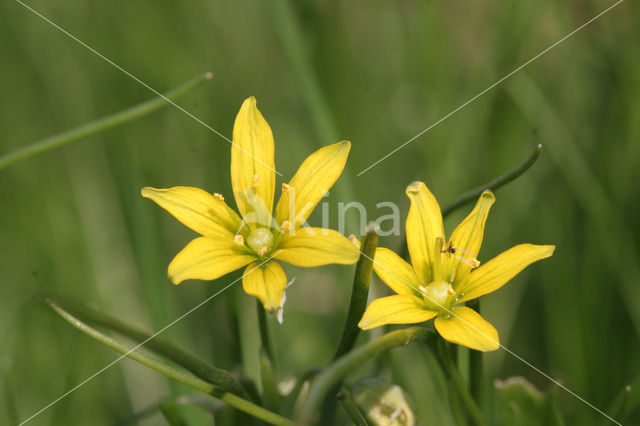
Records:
x=229, y=242
x=444, y=273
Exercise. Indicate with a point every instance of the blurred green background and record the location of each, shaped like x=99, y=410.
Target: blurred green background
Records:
x=73, y=222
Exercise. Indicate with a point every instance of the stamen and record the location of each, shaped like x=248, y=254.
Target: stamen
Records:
x=354, y=240
x=453, y=275
x=450, y=290
x=218, y=196
x=286, y=188
x=263, y=251
x=239, y=239
x=437, y=260
x=424, y=290
x=286, y=226
x=471, y=261
x=256, y=181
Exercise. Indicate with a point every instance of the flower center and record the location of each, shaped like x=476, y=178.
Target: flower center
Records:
x=260, y=240
x=437, y=295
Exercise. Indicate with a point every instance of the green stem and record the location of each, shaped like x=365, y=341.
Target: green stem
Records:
x=496, y=183
x=359, y=293
x=264, y=331
x=197, y=366
x=335, y=372
x=458, y=382
x=182, y=376
x=350, y=407
x=101, y=124
x=476, y=365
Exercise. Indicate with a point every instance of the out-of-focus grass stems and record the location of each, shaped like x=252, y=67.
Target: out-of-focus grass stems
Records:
x=102, y=124
x=609, y=223
x=291, y=39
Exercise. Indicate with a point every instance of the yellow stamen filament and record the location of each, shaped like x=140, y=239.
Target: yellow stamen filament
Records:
x=239, y=239
x=218, y=196
x=256, y=181
x=286, y=226
x=450, y=290
x=286, y=188
x=437, y=269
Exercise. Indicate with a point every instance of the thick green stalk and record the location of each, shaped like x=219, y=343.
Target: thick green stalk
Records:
x=101, y=124
x=336, y=371
x=197, y=366
x=359, y=293
x=182, y=376
x=476, y=365
x=460, y=386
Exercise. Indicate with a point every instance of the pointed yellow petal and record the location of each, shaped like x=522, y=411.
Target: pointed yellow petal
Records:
x=467, y=328
x=266, y=282
x=466, y=239
x=197, y=209
x=316, y=246
x=252, y=164
x=499, y=270
x=424, y=226
x=395, y=272
x=314, y=178
x=207, y=259
x=398, y=309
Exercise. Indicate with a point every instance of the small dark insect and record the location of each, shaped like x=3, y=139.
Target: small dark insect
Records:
x=449, y=249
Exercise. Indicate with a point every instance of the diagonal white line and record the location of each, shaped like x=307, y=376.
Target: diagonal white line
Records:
x=142, y=343
x=451, y=312
x=142, y=83
x=491, y=87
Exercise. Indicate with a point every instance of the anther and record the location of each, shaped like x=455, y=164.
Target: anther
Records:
x=239, y=239
x=256, y=181
x=450, y=290
x=218, y=196
x=286, y=226
x=424, y=290
x=263, y=251
x=354, y=240
x=286, y=188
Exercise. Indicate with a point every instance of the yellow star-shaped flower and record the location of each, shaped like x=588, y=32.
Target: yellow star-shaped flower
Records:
x=229, y=242
x=445, y=274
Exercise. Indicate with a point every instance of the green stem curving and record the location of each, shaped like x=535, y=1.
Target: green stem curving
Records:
x=182, y=376
x=101, y=124
x=335, y=372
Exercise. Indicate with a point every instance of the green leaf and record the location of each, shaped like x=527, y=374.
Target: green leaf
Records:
x=177, y=373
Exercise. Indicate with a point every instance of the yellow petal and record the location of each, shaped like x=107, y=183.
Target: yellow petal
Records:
x=266, y=282
x=207, y=259
x=197, y=209
x=252, y=164
x=424, y=226
x=395, y=272
x=466, y=327
x=499, y=270
x=314, y=178
x=316, y=246
x=466, y=239
x=397, y=309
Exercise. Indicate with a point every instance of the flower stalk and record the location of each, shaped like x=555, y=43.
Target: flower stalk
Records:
x=100, y=125
x=458, y=384
x=476, y=365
